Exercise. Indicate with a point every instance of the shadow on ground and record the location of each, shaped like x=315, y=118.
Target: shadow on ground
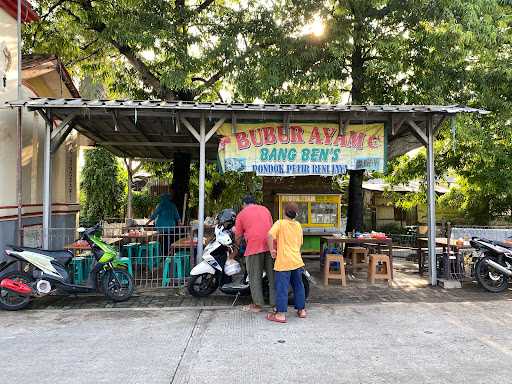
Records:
x=408, y=286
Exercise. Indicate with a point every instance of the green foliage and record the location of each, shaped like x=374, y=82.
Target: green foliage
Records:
x=223, y=190
x=372, y=51
x=143, y=203
x=102, y=187
x=152, y=48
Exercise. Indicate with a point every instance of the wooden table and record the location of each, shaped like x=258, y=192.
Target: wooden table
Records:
x=146, y=235
x=362, y=241
x=87, y=247
x=440, y=242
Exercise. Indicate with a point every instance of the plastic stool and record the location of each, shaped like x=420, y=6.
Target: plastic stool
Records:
x=180, y=264
x=154, y=254
x=88, y=262
x=384, y=273
x=166, y=277
x=127, y=261
x=359, y=256
x=143, y=249
x=184, y=259
x=131, y=250
x=328, y=274
x=78, y=264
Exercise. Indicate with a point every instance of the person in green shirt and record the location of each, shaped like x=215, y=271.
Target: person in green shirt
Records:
x=166, y=214
x=166, y=218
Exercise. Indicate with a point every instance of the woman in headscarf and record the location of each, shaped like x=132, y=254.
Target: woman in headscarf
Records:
x=166, y=217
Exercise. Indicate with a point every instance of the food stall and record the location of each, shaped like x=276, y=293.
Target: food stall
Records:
x=319, y=214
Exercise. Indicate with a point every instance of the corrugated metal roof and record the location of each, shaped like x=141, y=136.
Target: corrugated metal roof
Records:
x=379, y=185
x=148, y=128
x=231, y=107
x=30, y=62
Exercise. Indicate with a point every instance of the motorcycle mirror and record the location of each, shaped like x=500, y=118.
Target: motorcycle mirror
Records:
x=81, y=230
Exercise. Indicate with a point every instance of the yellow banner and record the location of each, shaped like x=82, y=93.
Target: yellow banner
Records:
x=269, y=149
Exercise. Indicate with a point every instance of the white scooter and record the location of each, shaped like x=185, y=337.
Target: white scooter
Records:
x=216, y=271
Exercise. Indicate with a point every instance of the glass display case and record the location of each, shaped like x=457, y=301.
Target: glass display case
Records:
x=315, y=211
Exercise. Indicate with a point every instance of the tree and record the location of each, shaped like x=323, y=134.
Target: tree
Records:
x=376, y=51
x=102, y=187
x=152, y=48
x=478, y=150
x=371, y=51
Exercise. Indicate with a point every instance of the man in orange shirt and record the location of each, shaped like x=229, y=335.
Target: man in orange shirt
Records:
x=288, y=263
x=253, y=223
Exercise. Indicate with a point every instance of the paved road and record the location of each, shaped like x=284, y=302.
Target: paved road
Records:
x=450, y=342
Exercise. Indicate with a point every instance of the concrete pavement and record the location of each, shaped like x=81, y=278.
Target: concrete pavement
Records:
x=447, y=342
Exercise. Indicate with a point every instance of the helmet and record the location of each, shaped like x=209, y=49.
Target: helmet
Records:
x=227, y=218
x=232, y=267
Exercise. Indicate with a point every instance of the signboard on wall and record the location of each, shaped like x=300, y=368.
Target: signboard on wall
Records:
x=270, y=149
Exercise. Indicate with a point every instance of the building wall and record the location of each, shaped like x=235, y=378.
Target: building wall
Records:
x=64, y=162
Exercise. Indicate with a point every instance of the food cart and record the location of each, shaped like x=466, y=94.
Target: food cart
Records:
x=319, y=214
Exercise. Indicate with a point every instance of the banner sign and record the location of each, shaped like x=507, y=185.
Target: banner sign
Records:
x=270, y=149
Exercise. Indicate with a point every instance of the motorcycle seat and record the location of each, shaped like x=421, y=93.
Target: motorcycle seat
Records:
x=62, y=256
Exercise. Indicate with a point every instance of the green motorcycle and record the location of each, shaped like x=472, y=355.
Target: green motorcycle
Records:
x=42, y=272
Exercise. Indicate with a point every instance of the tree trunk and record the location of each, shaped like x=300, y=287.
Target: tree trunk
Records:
x=355, y=201
x=357, y=64
x=180, y=179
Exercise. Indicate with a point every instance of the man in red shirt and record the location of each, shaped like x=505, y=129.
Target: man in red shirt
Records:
x=253, y=223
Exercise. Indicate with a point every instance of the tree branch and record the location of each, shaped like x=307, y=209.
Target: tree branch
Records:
x=93, y=53
x=148, y=78
x=205, y=4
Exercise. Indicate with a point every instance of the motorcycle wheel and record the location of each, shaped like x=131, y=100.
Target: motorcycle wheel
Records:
x=120, y=289
x=489, y=278
x=12, y=301
x=203, y=285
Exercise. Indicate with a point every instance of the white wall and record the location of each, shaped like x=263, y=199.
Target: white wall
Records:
x=64, y=162
x=8, y=41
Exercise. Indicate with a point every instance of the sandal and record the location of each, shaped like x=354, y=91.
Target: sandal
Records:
x=273, y=317
x=251, y=308
x=302, y=313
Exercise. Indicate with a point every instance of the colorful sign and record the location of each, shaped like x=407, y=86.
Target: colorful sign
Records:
x=270, y=149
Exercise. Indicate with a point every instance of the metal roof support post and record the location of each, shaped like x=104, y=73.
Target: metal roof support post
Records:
x=202, y=171
x=19, y=180
x=129, y=214
x=431, y=203
x=47, y=182
x=19, y=168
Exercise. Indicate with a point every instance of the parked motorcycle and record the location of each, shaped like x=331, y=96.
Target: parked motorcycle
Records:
x=41, y=272
x=216, y=271
x=494, y=264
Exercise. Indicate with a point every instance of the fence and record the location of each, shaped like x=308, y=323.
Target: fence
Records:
x=155, y=258
x=497, y=234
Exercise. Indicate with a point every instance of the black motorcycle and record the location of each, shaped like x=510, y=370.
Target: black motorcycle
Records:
x=494, y=264
x=40, y=272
